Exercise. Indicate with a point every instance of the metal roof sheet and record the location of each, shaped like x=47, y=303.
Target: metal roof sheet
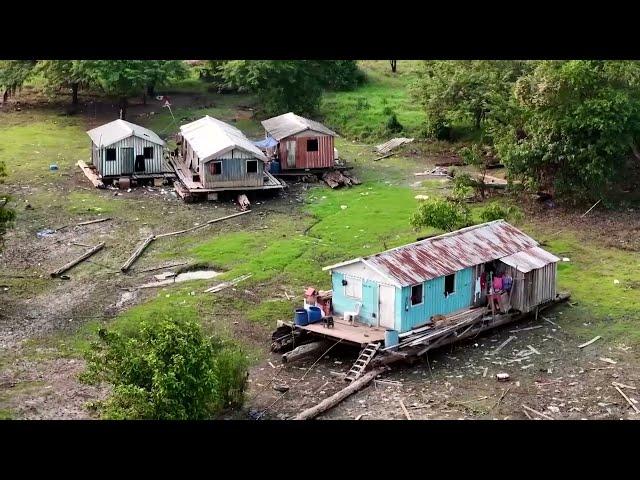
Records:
x=113, y=132
x=210, y=137
x=530, y=259
x=445, y=254
x=289, y=124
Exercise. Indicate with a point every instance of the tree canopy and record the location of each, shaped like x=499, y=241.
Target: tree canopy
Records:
x=13, y=74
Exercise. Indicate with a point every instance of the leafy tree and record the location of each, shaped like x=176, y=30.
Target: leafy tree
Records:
x=125, y=78
x=341, y=74
x=464, y=90
x=569, y=126
x=169, y=370
x=65, y=74
x=474, y=155
x=281, y=85
x=442, y=214
x=495, y=211
x=13, y=74
x=7, y=215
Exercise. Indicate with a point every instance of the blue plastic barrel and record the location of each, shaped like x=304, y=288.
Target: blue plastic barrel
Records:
x=391, y=338
x=274, y=167
x=301, y=317
x=315, y=314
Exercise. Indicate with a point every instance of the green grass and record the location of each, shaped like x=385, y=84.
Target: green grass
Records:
x=5, y=414
x=362, y=113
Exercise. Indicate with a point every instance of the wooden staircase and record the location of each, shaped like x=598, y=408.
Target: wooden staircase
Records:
x=361, y=363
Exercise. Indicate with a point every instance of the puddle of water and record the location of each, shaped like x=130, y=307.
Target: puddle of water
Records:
x=183, y=277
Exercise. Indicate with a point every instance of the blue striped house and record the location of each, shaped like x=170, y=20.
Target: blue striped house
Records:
x=403, y=288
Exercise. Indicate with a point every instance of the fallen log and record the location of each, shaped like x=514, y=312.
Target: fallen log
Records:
x=202, y=225
x=303, y=351
x=335, y=399
x=137, y=253
x=77, y=260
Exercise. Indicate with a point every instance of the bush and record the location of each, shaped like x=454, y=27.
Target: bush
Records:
x=438, y=129
x=393, y=125
x=495, y=211
x=168, y=370
x=387, y=111
x=441, y=214
x=463, y=185
x=362, y=104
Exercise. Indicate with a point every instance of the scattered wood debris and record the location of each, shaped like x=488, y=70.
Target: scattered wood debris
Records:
x=635, y=409
x=622, y=385
x=594, y=205
x=586, y=344
x=526, y=329
x=336, y=178
x=138, y=251
x=386, y=147
x=533, y=350
x=435, y=172
x=361, y=415
x=504, y=393
x=82, y=257
x=91, y=174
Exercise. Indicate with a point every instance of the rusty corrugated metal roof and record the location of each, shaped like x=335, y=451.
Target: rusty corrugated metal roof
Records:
x=530, y=259
x=445, y=254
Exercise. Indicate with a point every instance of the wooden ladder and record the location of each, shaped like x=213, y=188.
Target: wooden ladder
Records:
x=361, y=363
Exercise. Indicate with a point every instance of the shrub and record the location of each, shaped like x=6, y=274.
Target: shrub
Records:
x=362, y=104
x=168, y=370
x=387, y=111
x=495, y=211
x=393, y=125
x=441, y=214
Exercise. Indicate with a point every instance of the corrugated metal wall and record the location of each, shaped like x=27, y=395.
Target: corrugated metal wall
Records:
x=234, y=171
x=120, y=166
x=369, y=301
x=323, y=158
x=532, y=288
x=435, y=302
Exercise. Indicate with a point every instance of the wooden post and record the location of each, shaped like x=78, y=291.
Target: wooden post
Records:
x=335, y=399
x=78, y=260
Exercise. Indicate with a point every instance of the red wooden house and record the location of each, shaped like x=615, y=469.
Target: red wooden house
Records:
x=302, y=143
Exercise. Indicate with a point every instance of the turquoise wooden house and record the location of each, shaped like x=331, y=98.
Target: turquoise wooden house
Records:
x=403, y=288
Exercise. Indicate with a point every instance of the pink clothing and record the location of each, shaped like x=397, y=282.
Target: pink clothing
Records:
x=497, y=283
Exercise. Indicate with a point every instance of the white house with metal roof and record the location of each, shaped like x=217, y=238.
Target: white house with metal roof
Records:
x=216, y=156
x=405, y=287
x=122, y=149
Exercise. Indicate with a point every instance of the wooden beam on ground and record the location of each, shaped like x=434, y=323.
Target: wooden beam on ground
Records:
x=404, y=409
x=635, y=409
x=303, y=351
x=137, y=253
x=98, y=220
x=210, y=222
x=338, y=397
x=78, y=260
x=90, y=174
x=537, y=412
x=384, y=156
x=502, y=345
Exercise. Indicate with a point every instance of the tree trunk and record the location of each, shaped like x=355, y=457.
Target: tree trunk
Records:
x=303, y=351
x=5, y=97
x=151, y=90
x=393, y=65
x=144, y=98
x=74, y=90
x=123, y=108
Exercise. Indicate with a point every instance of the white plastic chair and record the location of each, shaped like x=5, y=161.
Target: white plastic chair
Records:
x=352, y=316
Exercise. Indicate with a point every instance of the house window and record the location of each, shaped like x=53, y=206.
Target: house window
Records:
x=416, y=294
x=252, y=166
x=111, y=154
x=215, y=168
x=312, y=145
x=353, y=287
x=148, y=152
x=449, y=284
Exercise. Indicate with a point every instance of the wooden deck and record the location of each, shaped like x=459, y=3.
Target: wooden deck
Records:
x=186, y=177
x=357, y=333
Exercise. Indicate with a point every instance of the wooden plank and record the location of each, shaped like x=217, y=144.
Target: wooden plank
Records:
x=526, y=329
x=622, y=385
x=537, y=412
x=404, y=409
x=137, y=253
x=502, y=345
x=92, y=221
x=627, y=399
x=586, y=344
x=90, y=174
x=82, y=257
x=210, y=222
